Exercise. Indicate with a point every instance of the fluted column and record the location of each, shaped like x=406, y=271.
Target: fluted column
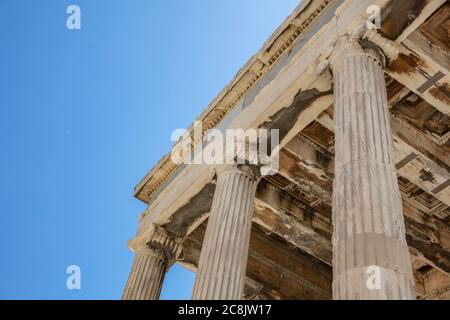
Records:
x=223, y=259
x=147, y=275
x=151, y=262
x=370, y=253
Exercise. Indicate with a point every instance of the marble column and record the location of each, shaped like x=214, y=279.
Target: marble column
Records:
x=150, y=265
x=223, y=260
x=370, y=253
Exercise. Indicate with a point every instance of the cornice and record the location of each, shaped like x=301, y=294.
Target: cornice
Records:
x=279, y=43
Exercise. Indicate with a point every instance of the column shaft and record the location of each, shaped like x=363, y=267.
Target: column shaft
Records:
x=146, y=277
x=223, y=260
x=368, y=220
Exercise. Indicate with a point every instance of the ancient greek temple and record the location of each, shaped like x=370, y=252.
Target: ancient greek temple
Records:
x=359, y=205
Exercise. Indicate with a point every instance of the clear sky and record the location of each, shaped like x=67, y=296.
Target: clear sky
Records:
x=85, y=114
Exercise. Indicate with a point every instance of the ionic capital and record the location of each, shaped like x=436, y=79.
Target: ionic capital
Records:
x=364, y=42
x=252, y=171
x=157, y=243
x=390, y=49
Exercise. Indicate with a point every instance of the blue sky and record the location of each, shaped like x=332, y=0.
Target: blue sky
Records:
x=84, y=114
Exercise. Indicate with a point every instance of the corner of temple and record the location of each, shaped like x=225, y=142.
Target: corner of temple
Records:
x=171, y=247
x=157, y=240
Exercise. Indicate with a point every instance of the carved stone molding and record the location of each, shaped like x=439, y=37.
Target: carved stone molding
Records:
x=280, y=43
x=363, y=42
x=156, y=242
x=251, y=171
x=359, y=41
